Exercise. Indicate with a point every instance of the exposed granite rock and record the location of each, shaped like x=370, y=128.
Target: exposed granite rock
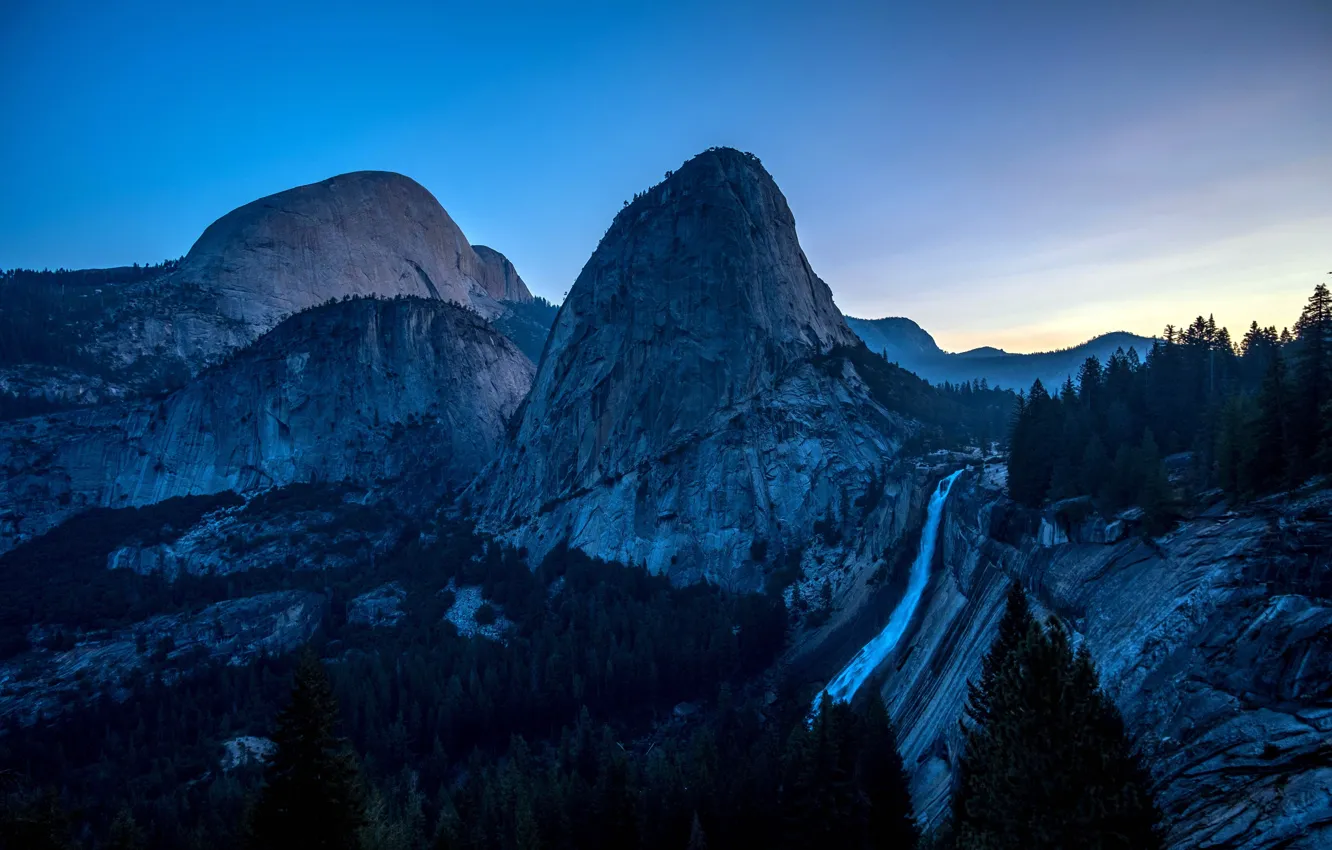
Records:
x=361, y=391
x=56, y=386
x=297, y=537
x=245, y=749
x=44, y=682
x=364, y=233
x=498, y=276
x=1214, y=640
x=677, y=416
x=462, y=614
x=527, y=325
x=379, y=607
x=360, y=234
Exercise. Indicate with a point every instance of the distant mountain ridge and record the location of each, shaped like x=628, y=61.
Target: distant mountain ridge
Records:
x=910, y=346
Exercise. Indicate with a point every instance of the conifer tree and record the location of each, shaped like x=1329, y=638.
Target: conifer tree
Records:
x=882, y=777
x=1095, y=468
x=1312, y=373
x=125, y=832
x=1046, y=763
x=1013, y=627
x=1030, y=464
x=697, y=840
x=1154, y=487
x=311, y=796
x=820, y=803
x=1267, y=457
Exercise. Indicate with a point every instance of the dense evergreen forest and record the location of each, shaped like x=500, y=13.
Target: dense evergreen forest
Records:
x=1253, y=416
x=606, y=642
x=615, y=711
x=955, y=415
x=38, y=310
x=49, y=318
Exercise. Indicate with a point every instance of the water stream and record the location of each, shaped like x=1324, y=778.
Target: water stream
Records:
x=872, y=654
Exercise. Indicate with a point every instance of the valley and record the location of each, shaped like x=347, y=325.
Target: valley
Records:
x=576, y=572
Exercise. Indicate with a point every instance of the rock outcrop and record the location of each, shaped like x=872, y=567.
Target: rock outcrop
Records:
x=678, y=418
x=368, y=233
x=44, y=682
x=364, y=233
x=499, y=277
x=1215, y=641
x=362, y=391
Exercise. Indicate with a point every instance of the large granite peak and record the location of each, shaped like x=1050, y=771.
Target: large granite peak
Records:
x=363, y=233
x=367, y=233
x=662, y=424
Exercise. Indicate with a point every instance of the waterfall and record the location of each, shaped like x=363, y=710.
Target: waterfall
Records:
x=858, y=669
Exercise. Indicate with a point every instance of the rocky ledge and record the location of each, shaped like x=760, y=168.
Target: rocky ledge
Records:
x=1215, y=640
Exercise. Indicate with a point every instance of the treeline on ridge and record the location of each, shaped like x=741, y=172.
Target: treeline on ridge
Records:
x=1255, y=416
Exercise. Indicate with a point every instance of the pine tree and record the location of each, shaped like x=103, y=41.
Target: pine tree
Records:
x=1313, y=378
x=311, y=796
x=1030, y=465
x=125, y=832
x=1013, y=627
x=697, y=840
x=1046, y=763
x=1089, y=383
x=820, y=802
x=1232, y=444
x=882, y=777
x=1267, y=457
x=1153, y=487
x=1095, y=468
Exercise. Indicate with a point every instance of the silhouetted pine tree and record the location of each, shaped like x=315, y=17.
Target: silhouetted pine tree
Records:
x=1031, y=462
x=882, y=777
x=1046, y=762
x=1153, y=486
x=1312, y=377
x=311, y=796
x=1267, y=459
x=697, y=840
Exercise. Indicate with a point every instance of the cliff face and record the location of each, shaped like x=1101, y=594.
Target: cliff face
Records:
x=368, y=233
x=676, y=417
x=362, y=391
x=364, y=233
x=1215, y=641
x=499, y=277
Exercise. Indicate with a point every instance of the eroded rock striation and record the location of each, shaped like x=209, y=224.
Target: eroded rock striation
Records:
x=678, y=418
x=362, y=391
x=498, y=276
x=1214, y=640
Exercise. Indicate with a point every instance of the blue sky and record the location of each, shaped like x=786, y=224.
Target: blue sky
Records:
x=1023, y=175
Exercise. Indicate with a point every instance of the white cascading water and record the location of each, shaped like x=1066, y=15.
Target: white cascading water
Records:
x=858, y=669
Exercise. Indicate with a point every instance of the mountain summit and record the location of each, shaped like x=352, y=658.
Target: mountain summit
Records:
x=368, y=233
x=909, y=345
x=363, y=233
x=661, y=419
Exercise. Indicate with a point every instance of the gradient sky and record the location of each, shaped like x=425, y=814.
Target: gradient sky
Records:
x=1020, y=174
